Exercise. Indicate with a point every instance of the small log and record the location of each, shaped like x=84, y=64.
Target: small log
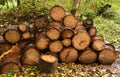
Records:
x=88, y=22
x=53, y=33
x=66, y=42
x=41, y=21
x=26, y=35
x=22, y=27
x=47, y=64
x=107, y=56
x=57, y=13
x=12, y=35
x=67, y=33
x=98, y=37
x=9, y=67
x=92, y=31
x=98, y=45
x=88, y=56
x=42, y=42
x=56, y=46
x=68, y=55
x=81, y=40
x=30, y=55
x=70, y=21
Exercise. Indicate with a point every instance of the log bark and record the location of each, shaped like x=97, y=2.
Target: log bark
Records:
x=30, y=55
x=98, y=37
x=56, y=46
x=47, y=64
x=81, y=40
x=41, y=21
x=88, y=22
x=79, y=27
x=88, y=56
x=107, y=56
x=92, y=31
x=57, y=13
x=70, y=21
x=68, y=55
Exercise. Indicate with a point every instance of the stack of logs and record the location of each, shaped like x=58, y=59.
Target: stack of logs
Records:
x=46, y=42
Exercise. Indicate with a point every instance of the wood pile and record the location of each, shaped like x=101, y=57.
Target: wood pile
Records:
x=46, y=42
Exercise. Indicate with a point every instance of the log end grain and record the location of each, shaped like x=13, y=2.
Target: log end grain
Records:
x=66, y=42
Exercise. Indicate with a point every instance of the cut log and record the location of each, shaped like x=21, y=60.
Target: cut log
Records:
x=98, y=45
x=81, y=40
x=68, y=55
x=88, y=56
x=4, y=46
x=42, y=42
x=12, y=35
x=9, y=67
x=22, y=27
x=53, y=33
x=70, y=21
x=47, y=64
x=98, y=37
x=30, y=55
x=88, y=23
x=41, y=21
x=56, y=46
x=66, y=42
x=92, y=31
x=67, y=33
x=57, y=13
x=107, y=56
x=26, y=35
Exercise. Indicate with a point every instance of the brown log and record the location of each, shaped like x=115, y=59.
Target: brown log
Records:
x=4, y=46
x=88, y=56
x=68, y=55
x=107, y=56
x=67, y=33
x=26, y=35
x=70, y=21
x=47, y=64
x=98, y=37
x=12, y=35
x=98, y=45
x=53, y=33
x=110, y=46
x=30, y=55
x=57, y=13
x=22, y=27
x=9, y=67
x=88, y=23
x=32, y=28
x=92, y=31
x=81, y=40
x=42, y=42
x=41, y=21
x=56, y=46
x=66, y=42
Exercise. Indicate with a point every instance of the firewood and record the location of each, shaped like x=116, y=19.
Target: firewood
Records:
x=81, y=40
x=56, y=46
x=26, y=35
x=88, y=22
x=42, y=42
x=22, y=27
x=12, y=35
x=68, y=55
x=107, y=56
x=53, y=33
x=98, y=45
x=70, y=21
x=67, y=33
x=88, y=56
x=30, y=55
x=41, y=21
x=92, y=31
x=47, y=64
x=66, y=42
x=9, y=67
x=57, y=13
x=98, y=37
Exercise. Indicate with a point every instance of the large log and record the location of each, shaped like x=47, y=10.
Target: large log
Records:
x=88, y=56
x=70, y=21
x=47, y=64
x=68, y=55
x=57, y=13
x=81, y=40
